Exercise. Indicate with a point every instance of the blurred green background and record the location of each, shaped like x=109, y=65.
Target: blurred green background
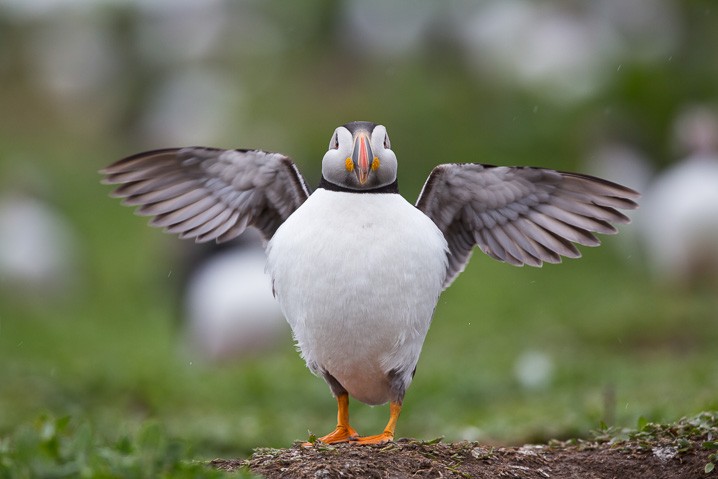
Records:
x=549, y=84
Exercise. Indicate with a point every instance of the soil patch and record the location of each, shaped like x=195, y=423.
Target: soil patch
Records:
x=413, y=459
x=686, y=449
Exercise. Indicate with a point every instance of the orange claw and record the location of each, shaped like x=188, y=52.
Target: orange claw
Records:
x=388, y=434
x=340, y=434
x=343, y=432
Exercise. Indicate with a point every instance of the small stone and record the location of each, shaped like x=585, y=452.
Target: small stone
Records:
x=480, y=453
x=665, y=453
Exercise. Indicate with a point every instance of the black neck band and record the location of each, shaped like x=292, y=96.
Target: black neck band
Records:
x=390, y=188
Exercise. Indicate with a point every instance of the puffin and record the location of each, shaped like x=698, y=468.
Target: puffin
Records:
x=357, y=269
x=228, y=311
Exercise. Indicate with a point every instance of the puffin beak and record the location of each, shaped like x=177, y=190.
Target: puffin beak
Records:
x=362, y=156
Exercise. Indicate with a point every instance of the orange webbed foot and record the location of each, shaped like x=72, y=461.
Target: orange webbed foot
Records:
x=340, y=434
x=382, y=438
x=388, y=434
x=343, y=432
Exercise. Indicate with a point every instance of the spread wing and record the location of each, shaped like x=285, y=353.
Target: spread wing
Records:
x=520, y=215
x=208, y=193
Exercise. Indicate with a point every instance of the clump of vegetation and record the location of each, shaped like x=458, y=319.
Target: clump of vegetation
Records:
x=677, y=438
x=666, y=441
x=62, y=447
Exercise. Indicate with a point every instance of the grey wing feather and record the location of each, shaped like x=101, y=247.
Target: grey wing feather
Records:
x=520, y=215
x=208, y=193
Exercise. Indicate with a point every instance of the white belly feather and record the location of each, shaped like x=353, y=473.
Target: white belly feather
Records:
x=358, y=277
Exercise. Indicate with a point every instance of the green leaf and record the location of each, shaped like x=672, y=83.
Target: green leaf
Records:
x=642, y=423
x=709, y=467
x=62, y=423
x=124, y=446
x=436, y=440
x=150, y=436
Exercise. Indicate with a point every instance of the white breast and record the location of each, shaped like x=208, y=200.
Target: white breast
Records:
x=358, y=277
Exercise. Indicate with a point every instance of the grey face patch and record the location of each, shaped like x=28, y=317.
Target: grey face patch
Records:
x=340, y=169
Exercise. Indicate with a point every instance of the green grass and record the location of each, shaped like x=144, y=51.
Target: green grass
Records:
x=65, y=448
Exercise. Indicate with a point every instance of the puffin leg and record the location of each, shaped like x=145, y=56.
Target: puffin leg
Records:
x=388, y=434
x=343, y=432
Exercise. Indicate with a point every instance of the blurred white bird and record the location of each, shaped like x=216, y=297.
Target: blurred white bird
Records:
x=539, y=45
x=228, y=306
x=679, y=221
x=534, y=369
x=37, y=248
x=562, y=52
x=626, y=165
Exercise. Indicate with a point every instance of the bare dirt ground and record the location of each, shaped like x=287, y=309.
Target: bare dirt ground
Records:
x=683, y=450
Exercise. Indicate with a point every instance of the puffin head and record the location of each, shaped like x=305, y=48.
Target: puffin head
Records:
x=360, y=157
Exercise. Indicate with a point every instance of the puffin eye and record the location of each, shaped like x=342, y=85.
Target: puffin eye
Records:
x=334, y=142
x=387, y=143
